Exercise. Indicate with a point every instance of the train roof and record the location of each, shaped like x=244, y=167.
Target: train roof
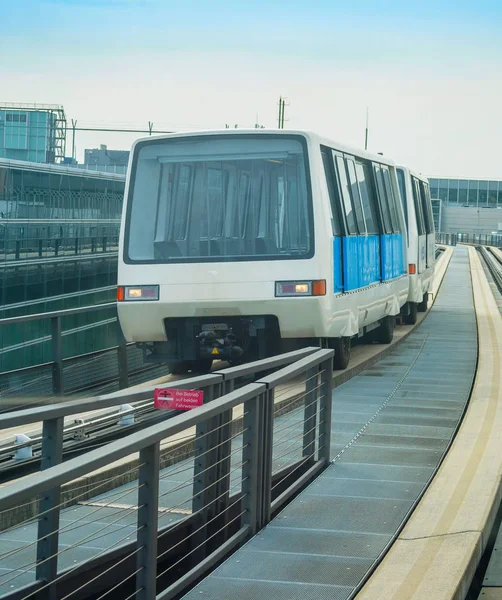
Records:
x=309, y=135
x=414, y=173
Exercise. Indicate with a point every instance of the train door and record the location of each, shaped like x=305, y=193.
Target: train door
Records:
x=429, y=222
x=336, y=221
x=422, y=233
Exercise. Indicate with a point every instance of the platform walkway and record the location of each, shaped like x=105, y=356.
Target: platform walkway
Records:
x=392, y=426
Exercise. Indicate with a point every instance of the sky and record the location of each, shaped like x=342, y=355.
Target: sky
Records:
x=429, y=72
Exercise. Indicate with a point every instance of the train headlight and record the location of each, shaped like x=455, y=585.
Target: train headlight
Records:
x=137, y=292
x=300, y=288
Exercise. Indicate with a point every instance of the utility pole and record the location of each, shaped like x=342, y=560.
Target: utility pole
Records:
x=367, y=124
x=282, y=104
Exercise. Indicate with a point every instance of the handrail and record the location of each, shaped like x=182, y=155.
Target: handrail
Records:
x=56, y=314
x=71, y=407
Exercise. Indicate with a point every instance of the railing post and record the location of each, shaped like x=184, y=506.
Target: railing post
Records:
x=122, y=359
x=76, y=245
x=148, y=511
x=49, y=508
x=56, y=246
x=18, y=249
x=267, y=444
x=57, y=356
x=325, y=409
x=251, y=458
x=40, y=248
x=310, y=411
x=205, y=476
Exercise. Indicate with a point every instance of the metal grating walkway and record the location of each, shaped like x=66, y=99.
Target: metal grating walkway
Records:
x=391, y=427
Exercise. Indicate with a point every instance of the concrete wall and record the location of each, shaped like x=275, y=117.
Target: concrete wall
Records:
x=459, y=219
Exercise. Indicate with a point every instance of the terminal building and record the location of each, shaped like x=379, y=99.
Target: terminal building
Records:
x=32, y=132
x=59, y=230
x=472, y=206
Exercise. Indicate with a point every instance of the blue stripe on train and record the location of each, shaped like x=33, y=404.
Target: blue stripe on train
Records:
x=361, y=260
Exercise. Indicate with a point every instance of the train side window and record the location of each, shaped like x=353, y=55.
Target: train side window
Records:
x=384, y=203
x=427, y=208
x=368, y=200
x=330, y=180
x=394, y=215
x=345, y=191
x=418, y=207
x=402, y=190
x=356, y=196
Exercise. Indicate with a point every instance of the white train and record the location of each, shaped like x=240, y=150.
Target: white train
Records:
x=239, y=244
x=415, y=196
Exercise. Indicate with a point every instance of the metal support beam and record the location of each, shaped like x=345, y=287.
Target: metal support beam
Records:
x=309, y=417
x=267, y=429
x=148, y=520
x=49, y=508
x=325, y=409
x=251, y=458
x=57, y=357
x=122, y=359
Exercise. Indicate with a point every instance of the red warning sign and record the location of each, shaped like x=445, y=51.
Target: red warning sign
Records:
x=177, y=399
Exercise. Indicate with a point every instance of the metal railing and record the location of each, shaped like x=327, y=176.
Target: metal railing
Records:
x=448, y=239
x=206, y=481
x=32, y=240
x=480, y=239
x=58, y=361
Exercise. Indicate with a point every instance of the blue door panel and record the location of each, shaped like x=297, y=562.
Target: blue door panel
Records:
x=350, y=262
x=361, y=261
x=337, y=261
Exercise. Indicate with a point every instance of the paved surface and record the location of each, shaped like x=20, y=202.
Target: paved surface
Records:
x=391, y=427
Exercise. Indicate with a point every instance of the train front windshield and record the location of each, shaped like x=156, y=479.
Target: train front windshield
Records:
x=219, y=198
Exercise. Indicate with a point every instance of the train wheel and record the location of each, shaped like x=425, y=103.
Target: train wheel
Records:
x=422, y=306
x=411, y=318
x=200, y=366
x=342, y=352
x=178, y=368
x=385, y=331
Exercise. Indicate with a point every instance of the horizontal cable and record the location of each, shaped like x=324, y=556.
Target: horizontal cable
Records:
x=199, y=528
x=107, y=571
x=66, y=573
x=209, y=504
x=201, y=544
x=172, y=508
x=189, y=481
x=90, y=537
x=69, y=527
x=64, y=502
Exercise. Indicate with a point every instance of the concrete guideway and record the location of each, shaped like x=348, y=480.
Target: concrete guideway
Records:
x=437, y=552
x=328, y=540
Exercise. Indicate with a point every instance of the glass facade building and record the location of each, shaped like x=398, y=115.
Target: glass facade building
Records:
x=31, y=132
x=59, y=229
x=467, y=192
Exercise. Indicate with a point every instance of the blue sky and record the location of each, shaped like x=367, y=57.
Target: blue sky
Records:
x=429, y=71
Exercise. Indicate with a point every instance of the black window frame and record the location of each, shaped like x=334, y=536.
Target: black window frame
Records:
x=339, y=156
x=385, y=214
x=421, y=227
x=338, y=225
x=372, y=197
x=427, y=207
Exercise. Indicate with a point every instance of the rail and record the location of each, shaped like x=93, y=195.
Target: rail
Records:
x=243, y=459
x=494, y=265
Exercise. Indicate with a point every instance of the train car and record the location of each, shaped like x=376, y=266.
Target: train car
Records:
x=416, y=200
x=237, y=245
